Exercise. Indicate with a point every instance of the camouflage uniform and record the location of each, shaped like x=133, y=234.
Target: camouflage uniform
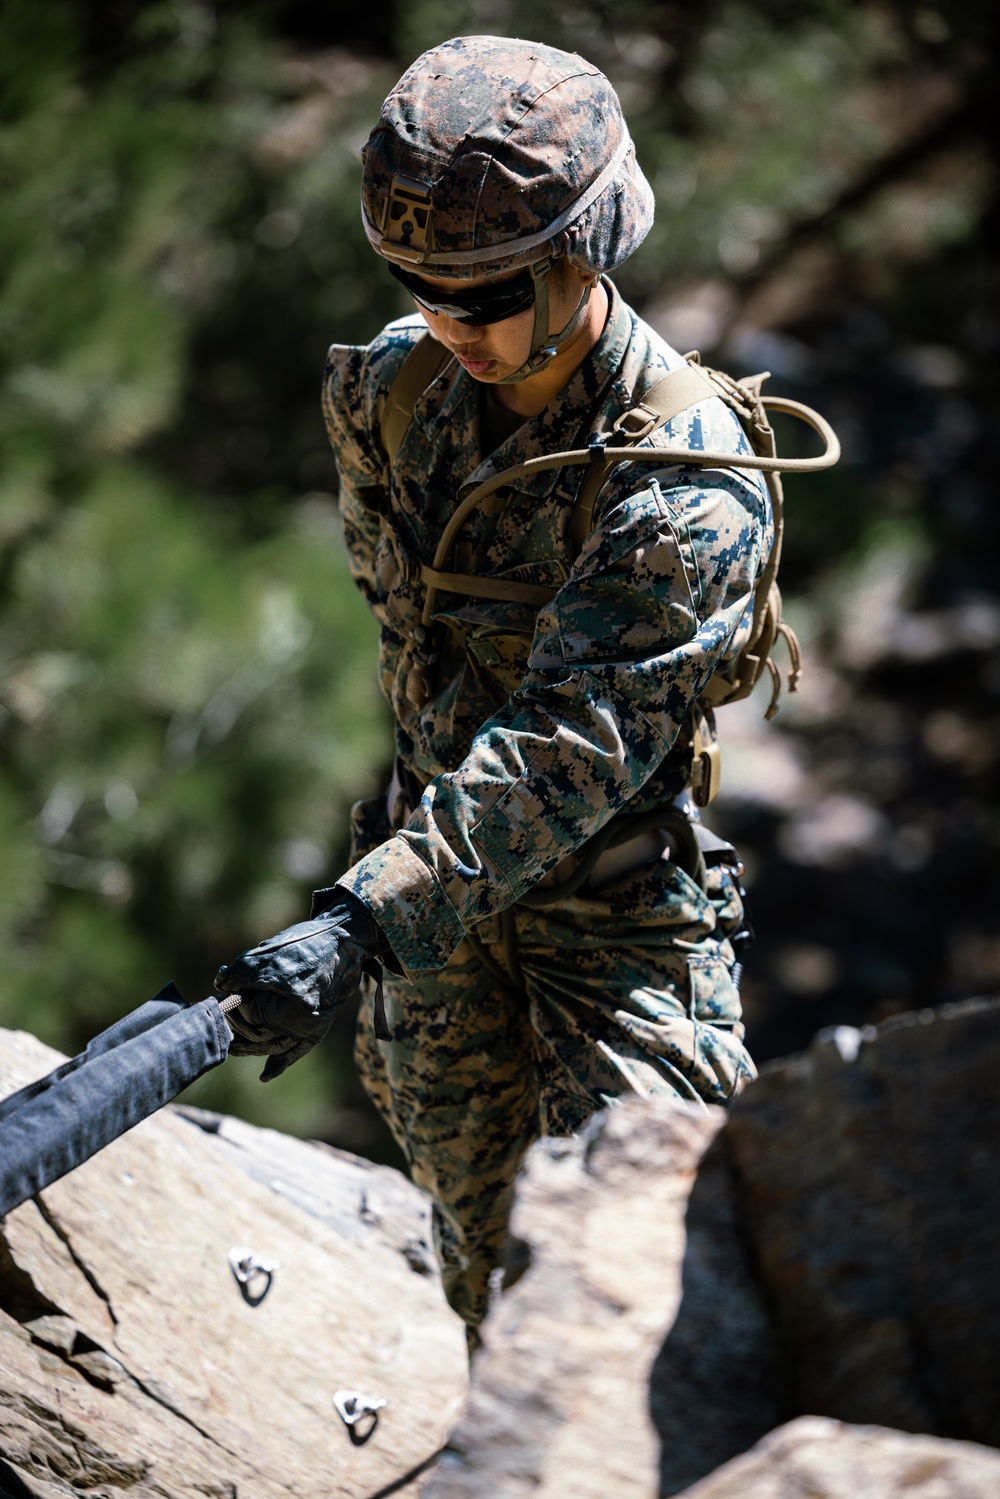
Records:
x=541, y=727
x=542, y=724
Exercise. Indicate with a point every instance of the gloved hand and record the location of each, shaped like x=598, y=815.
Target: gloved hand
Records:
x=294, y=983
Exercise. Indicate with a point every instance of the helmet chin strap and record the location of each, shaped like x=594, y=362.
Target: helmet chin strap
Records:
x=544, y=346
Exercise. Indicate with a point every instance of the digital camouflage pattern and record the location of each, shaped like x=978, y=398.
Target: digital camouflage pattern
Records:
x=540, y=727
x=542, y=724
x=626, y=991
x=509, y=135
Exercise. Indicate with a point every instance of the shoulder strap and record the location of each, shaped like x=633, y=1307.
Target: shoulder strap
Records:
x=423, y=363
x=676, y=392
x=679, y=389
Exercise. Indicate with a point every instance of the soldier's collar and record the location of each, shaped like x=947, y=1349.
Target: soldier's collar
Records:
x=567, y=421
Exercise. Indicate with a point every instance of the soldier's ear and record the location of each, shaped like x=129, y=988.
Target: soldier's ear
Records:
x=575, y=275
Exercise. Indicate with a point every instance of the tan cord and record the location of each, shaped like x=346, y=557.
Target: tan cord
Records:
x=659, y=456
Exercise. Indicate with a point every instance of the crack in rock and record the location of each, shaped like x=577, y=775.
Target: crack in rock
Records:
x=52, y=1329
x=61, y=1335
x=20, y=1297
x=61, y=1234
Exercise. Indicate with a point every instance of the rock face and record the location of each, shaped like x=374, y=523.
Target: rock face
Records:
x=868, y=1184
x=836, y=1253
x=816, y=1458
x=682, y=1284
x=131, y=1364
x=634, y=1354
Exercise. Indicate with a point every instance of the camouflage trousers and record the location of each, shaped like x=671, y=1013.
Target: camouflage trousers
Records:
x=626, y=992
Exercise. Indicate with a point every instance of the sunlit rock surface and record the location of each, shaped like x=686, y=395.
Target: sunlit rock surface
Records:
x=634, y=1353
x=680, y=1285
x=131, y=1365
x=835, y=1252
x=816, y=1458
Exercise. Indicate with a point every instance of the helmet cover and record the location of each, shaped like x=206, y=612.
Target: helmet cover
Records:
x=491, y=153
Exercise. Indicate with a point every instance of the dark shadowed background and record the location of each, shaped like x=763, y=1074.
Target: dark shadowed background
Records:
x=188, y=702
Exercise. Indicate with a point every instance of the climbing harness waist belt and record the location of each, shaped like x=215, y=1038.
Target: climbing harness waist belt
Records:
x=636, y=852
x=628, y=842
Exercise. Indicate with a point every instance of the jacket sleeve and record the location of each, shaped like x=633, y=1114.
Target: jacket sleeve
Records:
x=661, y=593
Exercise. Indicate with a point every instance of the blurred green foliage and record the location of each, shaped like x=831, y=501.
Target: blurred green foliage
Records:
x=188, y=703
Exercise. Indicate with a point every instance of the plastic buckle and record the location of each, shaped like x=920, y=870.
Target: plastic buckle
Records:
x=637, y=423
x=707, y=775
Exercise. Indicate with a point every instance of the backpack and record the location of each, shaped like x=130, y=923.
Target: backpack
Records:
x=678, y=390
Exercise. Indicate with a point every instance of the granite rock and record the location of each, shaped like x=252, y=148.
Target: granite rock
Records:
x=817, y=1458
x=132, y=1366
x=868, y=1186
x=692, y=1282
x=679, y=1285
x=633, y=1354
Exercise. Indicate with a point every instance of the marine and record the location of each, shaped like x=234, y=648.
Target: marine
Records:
x=541, y=922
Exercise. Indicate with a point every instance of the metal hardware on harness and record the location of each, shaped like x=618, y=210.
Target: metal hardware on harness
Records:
x=248, y=1267
x=706, y=772
x=352, y=1407
x=637, y=423
x=706, y=760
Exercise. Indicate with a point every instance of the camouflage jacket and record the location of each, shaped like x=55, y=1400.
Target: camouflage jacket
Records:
x=542, y=723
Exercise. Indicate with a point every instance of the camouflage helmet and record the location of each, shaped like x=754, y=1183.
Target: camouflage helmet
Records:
x=491, y=152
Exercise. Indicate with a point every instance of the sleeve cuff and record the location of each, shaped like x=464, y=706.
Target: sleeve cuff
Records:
x=419, y=921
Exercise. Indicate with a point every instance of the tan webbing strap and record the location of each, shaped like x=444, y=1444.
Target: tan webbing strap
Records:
x=706, y=758
x=739, y=680
x=423, y=363
x=508, y=589
x=679, y=389
x=676, y=392
x=653, y=456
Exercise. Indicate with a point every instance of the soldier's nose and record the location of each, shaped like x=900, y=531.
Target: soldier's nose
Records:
x=463, y=335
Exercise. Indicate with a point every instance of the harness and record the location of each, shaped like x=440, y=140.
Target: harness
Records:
x=629, y=840
x=677, y=391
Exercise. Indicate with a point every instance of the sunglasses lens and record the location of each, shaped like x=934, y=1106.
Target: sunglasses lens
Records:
x=478, y=305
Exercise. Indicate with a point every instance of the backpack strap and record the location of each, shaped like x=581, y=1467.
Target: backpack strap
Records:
x=683, y=387
x=677, y=391
x=680, y=389
x=422, y=365
x=739, y=678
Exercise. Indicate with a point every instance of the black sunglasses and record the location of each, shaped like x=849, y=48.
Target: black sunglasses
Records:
x=479, y=305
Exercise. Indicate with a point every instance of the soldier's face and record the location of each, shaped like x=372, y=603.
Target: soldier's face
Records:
x=491, y=351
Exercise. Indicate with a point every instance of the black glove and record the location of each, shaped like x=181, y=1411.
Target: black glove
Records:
x=294, y=983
